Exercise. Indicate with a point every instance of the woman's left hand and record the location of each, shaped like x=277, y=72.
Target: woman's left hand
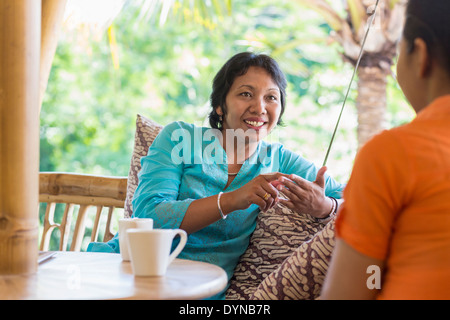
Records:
x=305, y=196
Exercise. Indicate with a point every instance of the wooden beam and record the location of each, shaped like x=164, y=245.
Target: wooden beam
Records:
x=20, y=34
x=52, y=18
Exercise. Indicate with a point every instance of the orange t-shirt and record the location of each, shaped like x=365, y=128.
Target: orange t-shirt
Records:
x=397, y=205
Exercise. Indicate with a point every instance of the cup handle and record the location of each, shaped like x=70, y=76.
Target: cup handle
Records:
x=181, y=244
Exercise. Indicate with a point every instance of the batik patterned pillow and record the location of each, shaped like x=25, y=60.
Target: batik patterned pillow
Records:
x=301, y=276
x=146, y=132
x=279, y=232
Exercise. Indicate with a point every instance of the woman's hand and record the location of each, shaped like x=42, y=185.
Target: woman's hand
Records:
x=258, y=191
x=305, y=196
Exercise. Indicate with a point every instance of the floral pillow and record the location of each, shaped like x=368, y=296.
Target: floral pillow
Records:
x=279, y=232
x=146, y=132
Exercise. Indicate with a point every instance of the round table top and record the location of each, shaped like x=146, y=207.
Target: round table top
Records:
x=93, y=275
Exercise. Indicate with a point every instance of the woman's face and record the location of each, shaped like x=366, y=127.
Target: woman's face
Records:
x=253, y=104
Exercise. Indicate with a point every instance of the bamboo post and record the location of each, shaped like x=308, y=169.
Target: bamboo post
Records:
x=52, y=18
x=20, y=25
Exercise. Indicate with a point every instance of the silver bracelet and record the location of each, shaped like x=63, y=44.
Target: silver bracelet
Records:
x=332, y=213
x=220, y=208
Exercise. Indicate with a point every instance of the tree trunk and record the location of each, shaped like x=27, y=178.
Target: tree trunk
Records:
x=371, y=102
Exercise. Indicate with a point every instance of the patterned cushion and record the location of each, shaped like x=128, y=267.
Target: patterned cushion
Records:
x=279, y=232
x=300, y=276
x=146, y=132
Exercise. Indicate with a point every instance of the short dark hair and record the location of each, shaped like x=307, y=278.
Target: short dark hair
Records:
x=428, y=20
x=236, y=66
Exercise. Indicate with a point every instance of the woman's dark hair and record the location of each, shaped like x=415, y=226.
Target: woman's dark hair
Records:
x=237, y=66
x=428, y=20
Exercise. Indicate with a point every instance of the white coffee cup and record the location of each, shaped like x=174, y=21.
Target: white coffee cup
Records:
x=128, y=223
x=150, y=250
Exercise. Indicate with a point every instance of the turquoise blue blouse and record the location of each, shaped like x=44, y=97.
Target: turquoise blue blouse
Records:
x=186, y=163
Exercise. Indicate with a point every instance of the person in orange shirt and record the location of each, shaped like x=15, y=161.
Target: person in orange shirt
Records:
x=393, y=229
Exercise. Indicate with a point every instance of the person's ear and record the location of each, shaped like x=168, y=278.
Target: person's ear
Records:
x=423, y=58
x=219, y=111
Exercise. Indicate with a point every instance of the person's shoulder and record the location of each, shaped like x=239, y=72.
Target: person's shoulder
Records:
x=179, y=125
x=382, y=147
x=385, y=139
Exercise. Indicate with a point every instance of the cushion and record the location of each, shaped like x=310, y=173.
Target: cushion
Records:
x=300, y=276
x=279, y=232
x=146, y=132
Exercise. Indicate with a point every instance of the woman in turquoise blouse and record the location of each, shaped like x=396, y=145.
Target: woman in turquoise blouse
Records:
x=212, y=182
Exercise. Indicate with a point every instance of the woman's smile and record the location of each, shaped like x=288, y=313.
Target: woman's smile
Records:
x=255, y=123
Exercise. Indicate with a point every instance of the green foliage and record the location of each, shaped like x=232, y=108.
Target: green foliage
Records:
x=165, y=72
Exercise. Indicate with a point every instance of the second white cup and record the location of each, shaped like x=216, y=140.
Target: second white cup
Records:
x=150, y=250
x=128, y=223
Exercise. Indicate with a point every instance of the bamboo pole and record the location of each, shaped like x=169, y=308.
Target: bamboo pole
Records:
x=52, y=18
x=20, y=34
x=84, y=185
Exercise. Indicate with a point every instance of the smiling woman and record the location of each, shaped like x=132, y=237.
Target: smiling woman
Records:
x=208, y=185
x=238, y=66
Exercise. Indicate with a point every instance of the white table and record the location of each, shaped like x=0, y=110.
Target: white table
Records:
x=93, y=275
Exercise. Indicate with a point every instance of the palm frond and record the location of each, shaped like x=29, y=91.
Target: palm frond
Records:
x=204, y=13
x=326, y=11
x=96, y=16
x=393, y=3
x=113, y=47
x=357, y=13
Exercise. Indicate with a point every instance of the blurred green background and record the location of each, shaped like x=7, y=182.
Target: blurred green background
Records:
x=164, y=72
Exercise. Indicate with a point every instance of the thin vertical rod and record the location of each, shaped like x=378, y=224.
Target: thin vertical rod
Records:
x=350, y=84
